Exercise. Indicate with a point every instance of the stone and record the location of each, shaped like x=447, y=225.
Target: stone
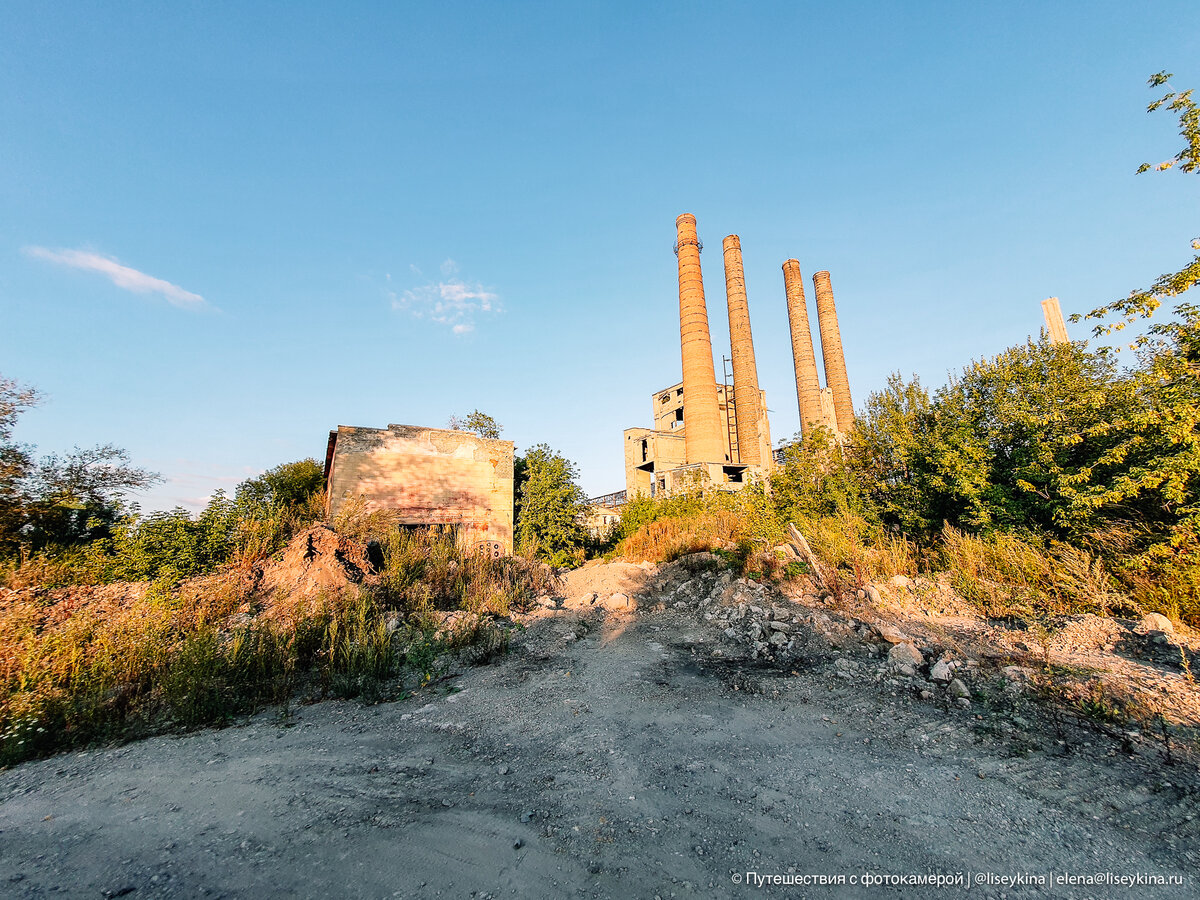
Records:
x=873, y=595
x=619, y=599
x=779, y=639
x=787, y=551
x=962, y=703
x=905, y=654
x=776, y=625
x=958, y=689
x=1152, y=622
x=907, y=671
x=892, y=635
x=1017, y=673
x=900, y=581
x=942, y=671
x=587, y=599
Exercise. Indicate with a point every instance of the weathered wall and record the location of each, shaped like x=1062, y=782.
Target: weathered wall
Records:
x=663, y=450
x=429, y=475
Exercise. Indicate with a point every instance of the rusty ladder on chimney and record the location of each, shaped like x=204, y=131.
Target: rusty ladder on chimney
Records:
x=731, y=441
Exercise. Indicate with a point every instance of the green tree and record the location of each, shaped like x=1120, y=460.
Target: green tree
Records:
x=59, y=500
x=171, y=544
x=1004, y=439
x=1143, y=303
x=886, y=447
x=286, y=486
x=15, y=459
x=480, y=423
x=814, y=479
x=551, y=503
x=1149, y=475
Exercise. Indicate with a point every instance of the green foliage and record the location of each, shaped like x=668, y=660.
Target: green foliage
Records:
x=480, y=423
x=551, y=505
x=59, y=500
x=1143, y=303
x=174, y=544
x=815, y=479
x=288, y=486
x=887, y=447
x=171, y=544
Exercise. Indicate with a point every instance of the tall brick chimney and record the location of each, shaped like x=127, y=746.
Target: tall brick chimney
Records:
x=831, y=353
x=746, y=396
x=1054, y=321
x=808, y=385
x=702, y=432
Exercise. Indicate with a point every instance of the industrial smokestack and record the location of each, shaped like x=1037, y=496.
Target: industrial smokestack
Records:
x=746, y=397
x=808, y=386
x=702, y=432
x=1054, y=321
x=831, y=353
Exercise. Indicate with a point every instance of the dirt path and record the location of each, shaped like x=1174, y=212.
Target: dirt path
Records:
x=610, y=754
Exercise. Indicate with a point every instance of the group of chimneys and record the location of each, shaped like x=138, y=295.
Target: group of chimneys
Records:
x=704, y=441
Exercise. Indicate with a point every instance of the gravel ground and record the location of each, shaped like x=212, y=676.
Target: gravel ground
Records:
x=621, y=749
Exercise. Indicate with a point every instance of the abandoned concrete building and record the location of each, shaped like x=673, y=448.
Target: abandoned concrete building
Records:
x=429, y=476
x=718, y=433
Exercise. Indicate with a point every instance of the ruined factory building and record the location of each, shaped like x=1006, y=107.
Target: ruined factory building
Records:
x=727, y=440
x=429, y=476
x=656, y=458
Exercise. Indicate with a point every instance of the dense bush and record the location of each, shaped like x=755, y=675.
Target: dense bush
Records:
x=172, y=544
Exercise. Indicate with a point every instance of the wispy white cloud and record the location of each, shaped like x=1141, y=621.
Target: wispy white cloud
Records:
x=122, y=276
x=452, y=302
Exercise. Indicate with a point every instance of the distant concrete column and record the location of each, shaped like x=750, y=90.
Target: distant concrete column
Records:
x=746, y=396
x=808, y=385
x=831, y=353
x=702, y=438
x=1054, y=321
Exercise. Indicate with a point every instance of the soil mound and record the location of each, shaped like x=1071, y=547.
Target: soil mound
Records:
x=317, y=562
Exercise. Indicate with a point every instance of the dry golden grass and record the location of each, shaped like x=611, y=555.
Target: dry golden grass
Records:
x=99, y=662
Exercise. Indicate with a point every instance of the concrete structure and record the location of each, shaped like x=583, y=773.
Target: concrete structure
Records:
x=656, y=458
x=746, y=394
x=430, y=476
x=727, y=438
x=600, y=520
x=808, y=384
x=703, y=441
x=836, y=378
x=1054, y=321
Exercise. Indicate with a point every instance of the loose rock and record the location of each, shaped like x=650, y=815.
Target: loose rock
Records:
x=905, y=654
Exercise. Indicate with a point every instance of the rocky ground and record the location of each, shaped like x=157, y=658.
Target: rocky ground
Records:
x=662, y=732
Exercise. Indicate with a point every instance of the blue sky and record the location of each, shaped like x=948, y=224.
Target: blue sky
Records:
x=228, y=228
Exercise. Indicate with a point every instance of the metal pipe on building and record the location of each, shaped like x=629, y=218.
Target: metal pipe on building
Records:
x=808, y=385
x=703, y=441
x=831, y=352
x=746, y=397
